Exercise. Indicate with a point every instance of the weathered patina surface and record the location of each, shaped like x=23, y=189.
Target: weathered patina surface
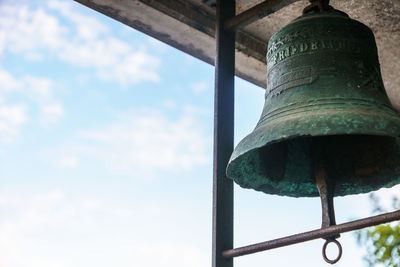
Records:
x=324, y=93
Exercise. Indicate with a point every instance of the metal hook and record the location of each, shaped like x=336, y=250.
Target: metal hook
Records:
x=324, y=251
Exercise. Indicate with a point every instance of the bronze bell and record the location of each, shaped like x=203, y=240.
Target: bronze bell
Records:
x=325, y=105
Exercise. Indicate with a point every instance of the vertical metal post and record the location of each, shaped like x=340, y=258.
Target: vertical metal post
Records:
x=222, y=238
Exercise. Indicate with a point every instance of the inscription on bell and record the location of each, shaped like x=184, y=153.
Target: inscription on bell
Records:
x=297, y=77
x=277, y=55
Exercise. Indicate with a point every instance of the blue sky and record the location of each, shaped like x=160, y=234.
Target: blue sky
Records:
x=106, y=151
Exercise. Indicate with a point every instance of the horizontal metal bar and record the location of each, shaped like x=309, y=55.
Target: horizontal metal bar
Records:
x=315, y=234
x=256, y=12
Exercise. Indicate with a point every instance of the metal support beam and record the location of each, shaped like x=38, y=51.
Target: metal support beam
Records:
x=222, y=238
x=315, y=234
x=256, y=12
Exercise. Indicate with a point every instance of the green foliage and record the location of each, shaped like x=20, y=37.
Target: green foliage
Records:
x=383, y=244
x=383, y=241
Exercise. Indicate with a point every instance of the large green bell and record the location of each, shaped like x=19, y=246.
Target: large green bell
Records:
x=325, y=102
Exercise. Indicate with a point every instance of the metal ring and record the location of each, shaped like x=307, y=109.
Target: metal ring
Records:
x=324, y=251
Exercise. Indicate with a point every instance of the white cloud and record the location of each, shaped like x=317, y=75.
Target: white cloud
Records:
x=30, y=221
x=68, y=162
x=32, y=86
x=83, y=41
x=88, y=28
x=2, y=41
x=12, y=117
x=32, y=93
x=55, y=228
x=7, y=81
x=51, y=113
x=37, y=91
x=37, y=87
x=26, y=31
x=169, y=255
x=141, y=143
x=151, y=141
x=170, y=104
x=199, y=87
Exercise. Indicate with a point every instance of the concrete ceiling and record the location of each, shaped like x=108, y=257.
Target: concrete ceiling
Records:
x=188, y=25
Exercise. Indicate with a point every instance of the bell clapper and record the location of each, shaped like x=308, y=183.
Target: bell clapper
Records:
x=326, y=192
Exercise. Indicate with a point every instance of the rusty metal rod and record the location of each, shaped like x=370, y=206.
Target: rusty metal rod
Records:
x=311, y=235
x=255, y=13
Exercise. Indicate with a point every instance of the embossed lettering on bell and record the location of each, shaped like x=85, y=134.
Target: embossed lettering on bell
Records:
x=325, y=97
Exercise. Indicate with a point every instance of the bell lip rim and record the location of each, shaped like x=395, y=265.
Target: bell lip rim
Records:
x=235, y=156
x=315, y=194
x=336, y=195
